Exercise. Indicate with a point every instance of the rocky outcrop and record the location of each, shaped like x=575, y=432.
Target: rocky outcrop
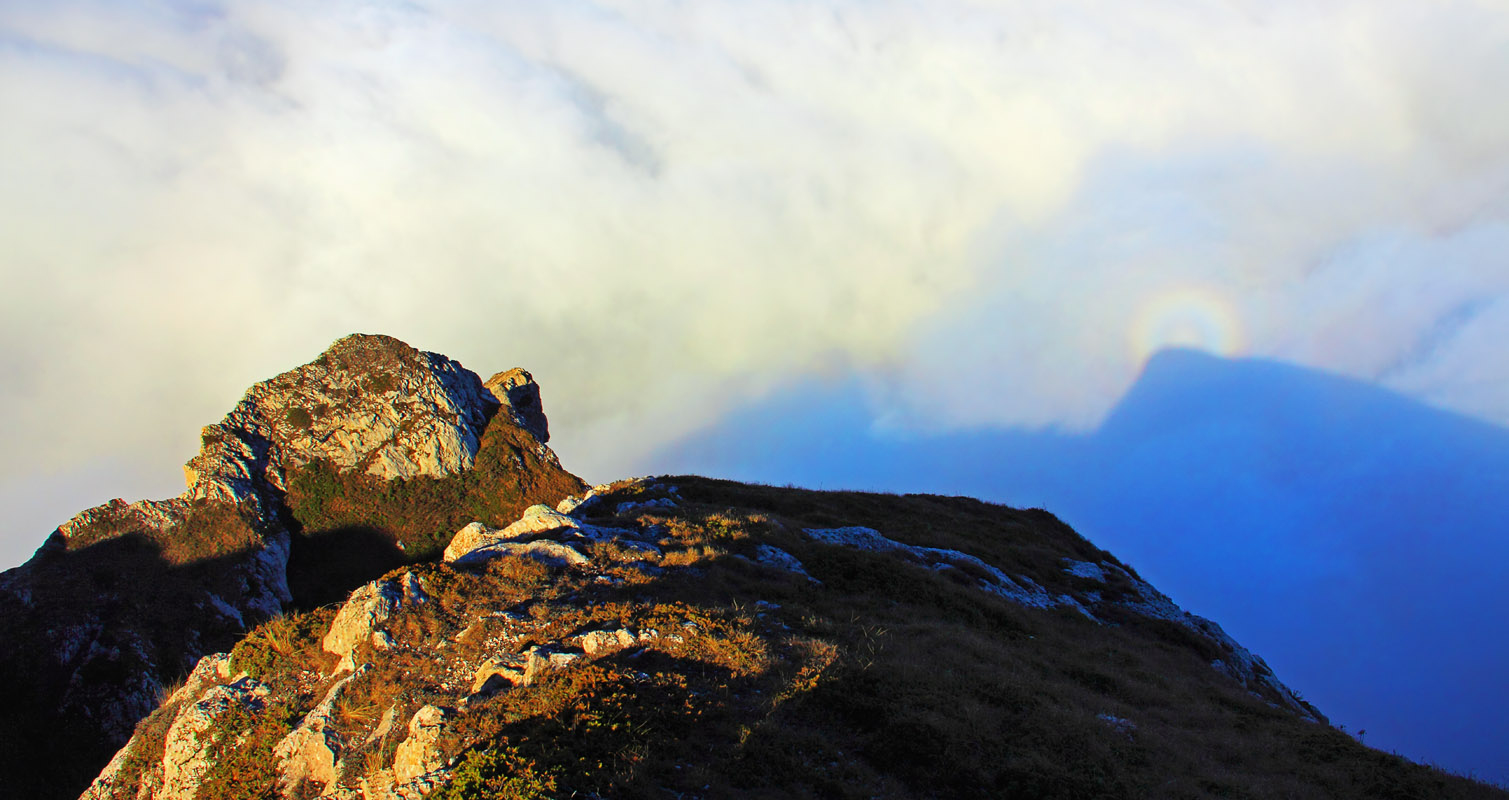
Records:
x=543, y=550
x=198, y=730
x=1237, y=662
x=116, y=779
x=1138, y=597
x=419, y=754
x=362, y=617
x=126, y=596
x=519, y=395
x=188, y=748
x=368, y=403
x=114, y=607
x=312, y=750
x=1021, y=589
x=476, y=542
x=687, y=622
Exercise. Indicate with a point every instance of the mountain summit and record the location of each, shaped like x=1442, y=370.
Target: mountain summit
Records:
x=125, y=598
x=380, y=583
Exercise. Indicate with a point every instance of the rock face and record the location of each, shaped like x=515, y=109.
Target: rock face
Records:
x=186, y=750
x=520, y=396
x=369, y=403
x=125, y=597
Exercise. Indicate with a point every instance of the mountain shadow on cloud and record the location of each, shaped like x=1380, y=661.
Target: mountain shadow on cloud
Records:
x=1354, y=538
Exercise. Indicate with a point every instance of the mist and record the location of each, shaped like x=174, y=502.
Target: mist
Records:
x=996, y=210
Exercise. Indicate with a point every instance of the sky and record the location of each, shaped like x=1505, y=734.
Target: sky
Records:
x=1349, y=535
x=990, y=214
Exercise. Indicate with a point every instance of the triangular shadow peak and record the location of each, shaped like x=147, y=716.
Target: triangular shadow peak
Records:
x=1350, y=535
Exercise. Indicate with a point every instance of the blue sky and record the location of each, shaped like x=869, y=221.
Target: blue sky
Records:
x=988, y=214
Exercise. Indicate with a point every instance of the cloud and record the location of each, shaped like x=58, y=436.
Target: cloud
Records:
x=663, y=210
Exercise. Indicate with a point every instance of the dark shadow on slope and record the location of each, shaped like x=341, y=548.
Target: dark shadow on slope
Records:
x=324, y=567
x=97, y=631
x=1349, y=535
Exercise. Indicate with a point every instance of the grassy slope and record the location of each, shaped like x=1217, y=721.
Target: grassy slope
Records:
x=352, y=527
x=887, y=679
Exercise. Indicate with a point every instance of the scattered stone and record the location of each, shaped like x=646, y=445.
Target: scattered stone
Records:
x=644, y=505
x=1085, y=569
x=772, y=556
x=469, y=538
x=995, y=581
x=596, y=642
x=498, y=673
x=384, y=726
x=539, y=660
x=1122, y=726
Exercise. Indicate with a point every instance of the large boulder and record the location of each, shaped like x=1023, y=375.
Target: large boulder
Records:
x=476, y=542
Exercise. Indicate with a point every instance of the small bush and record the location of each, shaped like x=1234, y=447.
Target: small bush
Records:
x=298, y=418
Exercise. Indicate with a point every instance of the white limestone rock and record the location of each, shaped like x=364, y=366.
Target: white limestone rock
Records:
x=542, y=550
x=190, y=740
x=368, y=402
x=144, y=515
x=469, y=538
x=1019, y=590
x=772, y=556
x=365, y=612
x=312, y=750
x=634, y=506
x=477, y=543
x=499, y=672
x=1085, y=569
x=601, y=642
x=539, y=519
x=1240, y=664
x=419, y=754
x=113, y=781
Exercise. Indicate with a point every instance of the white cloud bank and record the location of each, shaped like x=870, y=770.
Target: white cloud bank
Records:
x=665, y=208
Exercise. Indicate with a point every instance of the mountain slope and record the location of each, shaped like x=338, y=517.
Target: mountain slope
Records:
x=698, y=638
x=125, y=598
x=1350, y=535
x=381, y=584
